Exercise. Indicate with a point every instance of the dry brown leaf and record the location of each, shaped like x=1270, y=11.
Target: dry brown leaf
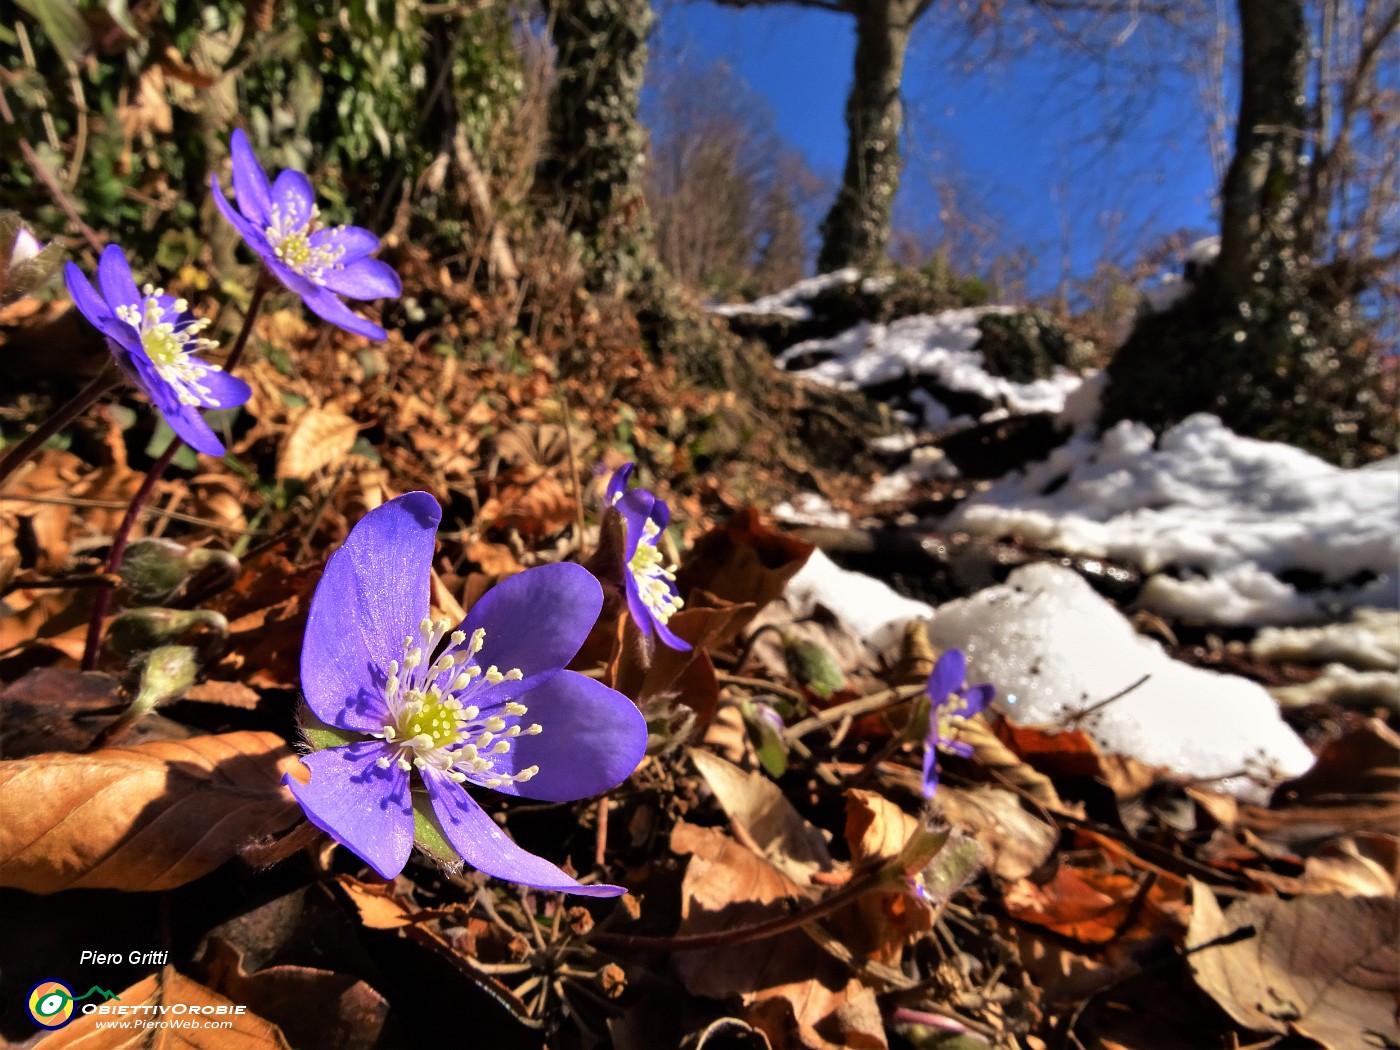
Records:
x=1014, y=843
x=247, y=1030
x=1325, y=966
x=380, y=907
x=877, y=829
x=148, y=111
x=799, y=995
x=230, y=694
x=149, y=817
x=59, y=709
x=320, y=438
x=313, y=1007
x=1094, y=906
x=763, y=816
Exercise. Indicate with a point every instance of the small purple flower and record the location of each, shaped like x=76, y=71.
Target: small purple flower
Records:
x=435, y=699
x=154, y=338
x=952, y=701
x=281, y=223
x=652, y=597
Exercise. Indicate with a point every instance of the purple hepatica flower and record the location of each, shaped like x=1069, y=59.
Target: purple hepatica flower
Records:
x=154, y=338
x=951, y=702
x=434, y=699
x=281, y=223
x=651, y=587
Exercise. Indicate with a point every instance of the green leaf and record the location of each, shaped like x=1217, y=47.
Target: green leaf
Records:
x=428, y=836
x=62, y=23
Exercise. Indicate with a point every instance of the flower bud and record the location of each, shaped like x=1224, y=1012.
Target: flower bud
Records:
x=813, y=666
x=155, y=570
x=165, y=676
x=25, y=264
x=141, y=630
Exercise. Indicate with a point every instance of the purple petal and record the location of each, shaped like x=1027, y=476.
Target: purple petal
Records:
x=251, y=233
x=487, y=848
x=88, y=302
x=930, y=774
x=293, y=191
x=977, y=698
x=635, y=507
x=592, y=739
x=949, y=674
x=365, y=279
x=355, y=241
x=536, y=620
x=225, y=391
x=114, y=277
x=325, y=305
x=618, y=485
x=373, y=593
x=250, y=185
x=661, y=514
x=669, y=638
x=366, y=809
x=186, y=421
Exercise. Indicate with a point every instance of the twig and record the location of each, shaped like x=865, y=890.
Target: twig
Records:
x=740, y=935
x=80, y=579
x=886, y=699
x=760, y=683
x=112, y=504
x=1084, y=712
x=60, y=195
x=34, y=440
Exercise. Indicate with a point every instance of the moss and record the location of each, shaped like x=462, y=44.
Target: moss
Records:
x=1029, y=345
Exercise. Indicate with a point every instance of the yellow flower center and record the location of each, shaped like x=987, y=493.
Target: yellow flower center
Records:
x=434, y=724
x=170, y=340
x=654, y=579
x=289, y=235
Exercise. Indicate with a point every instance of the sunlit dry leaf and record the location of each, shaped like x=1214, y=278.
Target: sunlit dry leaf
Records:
x=1324, y=966
x=379, y=905
x=320, y=438
x=172, y=990
x=762, y=814
x=790, y=988
x=143, y=818
x=494, y=559
x=148, y=111
x=1014, y=842
x=884, y=922
x=1096, y=906
x=530, y=500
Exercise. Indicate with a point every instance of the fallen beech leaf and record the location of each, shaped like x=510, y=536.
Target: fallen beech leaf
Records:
x=57, y=708
x=1325, y=966
x=149, y=817
x=229, y=694
x=762, y=814
x=172, y=990
x=1014, y=843
x=1093, y=906
x=380, y=907
x=316, y=1009
x=320, y=438
x=877, y=829
x=790, y=988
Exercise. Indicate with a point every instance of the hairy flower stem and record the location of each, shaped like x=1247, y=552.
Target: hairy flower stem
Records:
x=102, y=600
x=85, y=399
x=743, y=934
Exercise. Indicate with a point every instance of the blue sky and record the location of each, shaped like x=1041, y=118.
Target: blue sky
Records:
x=1018, y=133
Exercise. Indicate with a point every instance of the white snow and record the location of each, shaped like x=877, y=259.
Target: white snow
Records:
x=810, y=508
x=1054, y=648
x=864, y=604
x=1342, y=685
x=792, y=302
x=925, y=464
x=1369, y=641
x=939, y=346
x=1230, y=516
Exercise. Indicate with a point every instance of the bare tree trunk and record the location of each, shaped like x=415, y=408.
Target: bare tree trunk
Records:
x=596, y=156
x=1259, y=198
x=857, y=229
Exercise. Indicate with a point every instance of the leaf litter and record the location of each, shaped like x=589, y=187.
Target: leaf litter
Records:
x=1049, y=894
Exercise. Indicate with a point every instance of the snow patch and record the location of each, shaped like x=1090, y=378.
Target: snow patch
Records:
x=1054, y=649
x=864, y=604
x=809, y=508
x=791, y=303
x=938, y=346
x=1232, y=518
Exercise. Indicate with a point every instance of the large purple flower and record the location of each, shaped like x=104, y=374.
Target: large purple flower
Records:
x=482, y=705
x=281, y=223
x=154, y=338
x=652, y=597
x=951, y=702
